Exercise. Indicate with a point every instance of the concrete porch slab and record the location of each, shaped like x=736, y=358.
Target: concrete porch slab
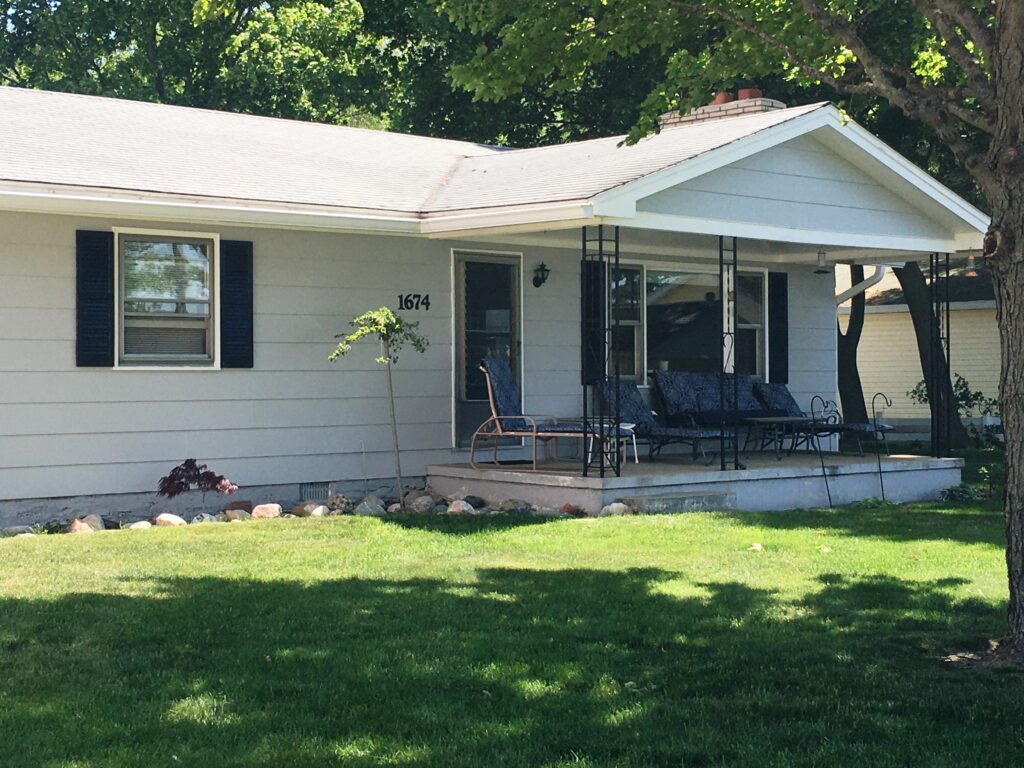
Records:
x=680, y=485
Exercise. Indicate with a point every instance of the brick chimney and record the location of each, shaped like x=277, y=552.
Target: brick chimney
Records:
x=723, y=111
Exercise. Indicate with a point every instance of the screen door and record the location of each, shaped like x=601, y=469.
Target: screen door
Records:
x=487, y=323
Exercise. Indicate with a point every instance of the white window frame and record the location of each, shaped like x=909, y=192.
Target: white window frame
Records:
x=213, y=364
x=688, y=268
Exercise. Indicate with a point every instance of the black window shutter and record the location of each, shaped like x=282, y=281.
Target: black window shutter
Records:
x=94, y=299
x=778, y=327
x=236, y=304
x=593, y=306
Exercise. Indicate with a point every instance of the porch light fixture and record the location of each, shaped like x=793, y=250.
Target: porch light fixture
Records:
x=540, y=274
x=970, y=271
x=822, y=269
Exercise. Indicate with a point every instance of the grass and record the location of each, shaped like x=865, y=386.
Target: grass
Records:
x=645, y=641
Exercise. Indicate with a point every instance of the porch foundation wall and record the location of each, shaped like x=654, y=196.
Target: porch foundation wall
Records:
x=754, y=490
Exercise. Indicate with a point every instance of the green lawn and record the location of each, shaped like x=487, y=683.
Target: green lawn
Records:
x=642, y=641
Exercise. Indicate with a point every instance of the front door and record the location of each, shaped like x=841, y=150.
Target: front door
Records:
x=486, y=323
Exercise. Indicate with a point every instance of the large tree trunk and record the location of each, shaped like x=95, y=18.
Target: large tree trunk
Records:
x=851, y=391
x=922, y=314
x=1008, y=279
x=1004, y=251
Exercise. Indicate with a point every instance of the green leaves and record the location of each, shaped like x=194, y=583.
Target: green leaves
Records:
x=390, y=329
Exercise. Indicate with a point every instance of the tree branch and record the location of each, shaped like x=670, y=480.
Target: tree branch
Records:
x=974, y=69
x=791, y=56
x=973, y=23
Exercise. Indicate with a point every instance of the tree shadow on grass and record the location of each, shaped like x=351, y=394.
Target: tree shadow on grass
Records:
x=514, y=668
x=894, y=522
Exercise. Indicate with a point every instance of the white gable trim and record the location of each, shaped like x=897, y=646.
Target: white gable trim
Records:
x=621, y=202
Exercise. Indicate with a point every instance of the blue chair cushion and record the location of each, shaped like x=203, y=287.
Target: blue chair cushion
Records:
x=632, y=408
x=777, y=399
x=508, y=402
x=868, y=427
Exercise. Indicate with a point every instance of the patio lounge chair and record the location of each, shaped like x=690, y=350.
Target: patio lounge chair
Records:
x=633, y=410
x=508, y=420
x=691, y=398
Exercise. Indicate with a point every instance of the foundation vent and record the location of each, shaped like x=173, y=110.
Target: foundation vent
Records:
x=314, y=491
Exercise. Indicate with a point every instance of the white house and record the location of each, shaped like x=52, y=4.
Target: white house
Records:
x=172, y=279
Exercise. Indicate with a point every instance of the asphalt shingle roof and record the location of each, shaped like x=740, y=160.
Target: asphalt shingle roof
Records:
x=69, y=139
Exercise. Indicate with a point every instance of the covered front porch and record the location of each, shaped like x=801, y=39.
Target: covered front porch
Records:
x=666, y=486
x=701, y=290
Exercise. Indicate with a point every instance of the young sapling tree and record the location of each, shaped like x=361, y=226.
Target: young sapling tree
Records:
x=393, y=333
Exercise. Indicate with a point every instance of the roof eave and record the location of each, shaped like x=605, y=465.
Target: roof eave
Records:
x=30, y=197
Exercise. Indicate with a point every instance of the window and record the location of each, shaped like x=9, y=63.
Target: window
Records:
x=671, y=320
x=750, y=314
x=626, y=288
x=166, y=312
x=684, y=320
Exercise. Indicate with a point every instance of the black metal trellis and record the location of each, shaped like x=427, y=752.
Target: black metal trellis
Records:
x=728, y=269
x=601, y=420
x=939, y=354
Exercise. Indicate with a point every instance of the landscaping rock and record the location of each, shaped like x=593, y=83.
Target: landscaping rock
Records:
x=439, y=509
x=616, y=508
x=422, y=504
x=140, y=525
x=245, y=506
x=573, y=510
x=475, y=501
x=206, y=517
x=310, y=509
x=459, y=507
x=395, y=509
x=266, y=511
x=516, y=507
x=87, y=524
x=371, y=506
x=237, y=515
x=411, y=496
x=167, y=520
x=548, y=512
x=222, y=517
x=23, y=535
x=16, y=530
x=287, y=516
x=339, y=503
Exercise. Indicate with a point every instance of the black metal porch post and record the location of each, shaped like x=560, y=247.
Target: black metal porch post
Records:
x=727, y=273
x=601, y=422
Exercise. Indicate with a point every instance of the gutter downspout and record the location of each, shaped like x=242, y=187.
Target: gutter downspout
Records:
x=863, y=285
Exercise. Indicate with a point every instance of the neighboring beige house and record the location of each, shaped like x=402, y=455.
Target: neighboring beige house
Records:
x=887, y=357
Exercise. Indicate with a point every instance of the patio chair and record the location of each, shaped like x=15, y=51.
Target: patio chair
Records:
x=696, y=398
x=824, y=421
x=508, y=420
x=633, y=410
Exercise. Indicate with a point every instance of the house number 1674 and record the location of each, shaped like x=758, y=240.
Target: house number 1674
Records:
x=414, y=301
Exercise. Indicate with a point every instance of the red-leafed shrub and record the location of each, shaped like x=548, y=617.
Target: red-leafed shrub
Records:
x=191, y=474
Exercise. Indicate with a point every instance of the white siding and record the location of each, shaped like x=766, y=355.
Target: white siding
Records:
x=812, y=335
x=295, y=417
x=799, y=184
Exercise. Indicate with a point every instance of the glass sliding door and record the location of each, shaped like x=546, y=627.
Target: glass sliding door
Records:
x=487, y=324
